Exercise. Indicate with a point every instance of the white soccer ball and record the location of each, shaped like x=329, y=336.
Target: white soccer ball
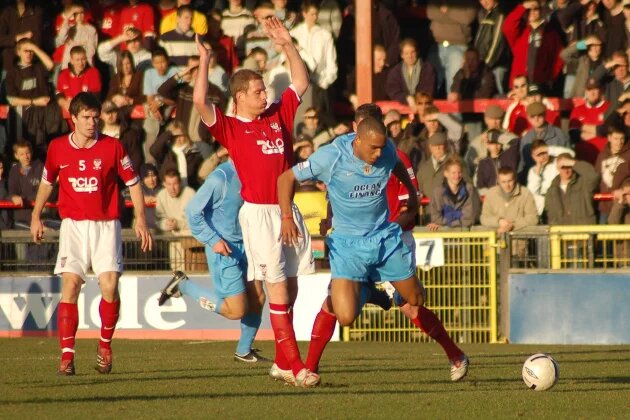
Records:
x=540, y=372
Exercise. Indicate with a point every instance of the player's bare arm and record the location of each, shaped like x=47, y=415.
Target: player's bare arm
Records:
x=141, y=229
x=280, y=36
x=289, y=232
x=200, y=89
x=408, y=215
x=37, y=227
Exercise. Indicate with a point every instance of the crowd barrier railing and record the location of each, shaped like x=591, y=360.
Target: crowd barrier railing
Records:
x=477, y=106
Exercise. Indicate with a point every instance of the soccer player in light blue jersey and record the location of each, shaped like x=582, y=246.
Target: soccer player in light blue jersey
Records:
x=364, y=245
x=423, y=318
x=213, y=219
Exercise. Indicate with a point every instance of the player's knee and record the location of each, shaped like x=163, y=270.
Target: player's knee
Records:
x=416, y=299
x=234, y=314
x=346, y=318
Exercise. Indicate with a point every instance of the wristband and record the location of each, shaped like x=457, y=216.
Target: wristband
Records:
x=287, y=217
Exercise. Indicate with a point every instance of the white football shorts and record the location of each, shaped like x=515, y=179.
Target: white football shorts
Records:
x=268, y=258
x=89, y=243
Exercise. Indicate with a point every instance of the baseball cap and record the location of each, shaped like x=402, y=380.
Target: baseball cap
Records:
x=536, y=108
x=493, y=136
x=437, y=139
x=494, y=111
x=533, y=89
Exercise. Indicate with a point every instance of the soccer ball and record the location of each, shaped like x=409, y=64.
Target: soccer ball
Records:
x=540, y=372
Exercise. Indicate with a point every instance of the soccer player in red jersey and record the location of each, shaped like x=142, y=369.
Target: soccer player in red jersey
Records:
x=87, y=166
x=325, y=321
x=259, y=141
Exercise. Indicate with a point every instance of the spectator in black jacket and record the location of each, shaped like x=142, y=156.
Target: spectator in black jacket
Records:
x=177, y=90
x=173, y=149
x=491, y=44
x=498, y=157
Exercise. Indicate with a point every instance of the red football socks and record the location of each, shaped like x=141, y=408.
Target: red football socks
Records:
x=280, y=360
x=109, y=317
x=428, y=322
x=285, y=336
x=67, y=324
x=323, y=330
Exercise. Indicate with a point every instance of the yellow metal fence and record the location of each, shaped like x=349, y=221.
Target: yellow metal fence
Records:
x=462, y=293
x=589, y=246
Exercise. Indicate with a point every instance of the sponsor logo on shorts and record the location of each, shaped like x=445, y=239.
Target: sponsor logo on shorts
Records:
x=62, y=261
x=84, y=184
x=206, y=304
x=263, y=271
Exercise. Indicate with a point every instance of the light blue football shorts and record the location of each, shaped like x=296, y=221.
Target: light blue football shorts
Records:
x=228, y=273
x=381, y=256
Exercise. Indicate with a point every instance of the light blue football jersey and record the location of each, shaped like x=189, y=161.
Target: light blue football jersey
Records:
x=213, y=211
x=356, y=189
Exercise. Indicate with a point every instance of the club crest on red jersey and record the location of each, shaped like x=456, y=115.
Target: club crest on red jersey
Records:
x=98, y=164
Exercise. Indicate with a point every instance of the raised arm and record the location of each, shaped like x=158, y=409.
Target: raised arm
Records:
x=280, y=36
x=200, y=90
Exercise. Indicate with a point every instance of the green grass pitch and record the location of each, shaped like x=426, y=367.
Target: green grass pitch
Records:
x=176, y=379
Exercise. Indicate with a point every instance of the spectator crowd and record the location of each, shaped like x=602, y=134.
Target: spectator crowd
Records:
x=508, y=168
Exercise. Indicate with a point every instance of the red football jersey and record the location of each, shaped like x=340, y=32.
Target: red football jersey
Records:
x=109, y=22
x=588, y=114
x=70, y=84
x=397, y=193
x=88, y=177
x=261, y=149
x=140, y=16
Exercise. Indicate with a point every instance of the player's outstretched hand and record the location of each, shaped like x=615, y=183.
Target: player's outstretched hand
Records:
x=276, y=31
x=37, y=230
x=142, y=232
x=289, y=233
x=203, y=51
x=222, y=248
